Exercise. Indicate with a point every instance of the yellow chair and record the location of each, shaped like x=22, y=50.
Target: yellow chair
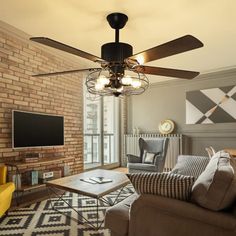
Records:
x=6, y=191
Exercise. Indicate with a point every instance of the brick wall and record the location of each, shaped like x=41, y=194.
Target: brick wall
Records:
x=63, y=95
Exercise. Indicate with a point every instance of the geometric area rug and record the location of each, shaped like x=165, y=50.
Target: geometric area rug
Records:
x=40, y=219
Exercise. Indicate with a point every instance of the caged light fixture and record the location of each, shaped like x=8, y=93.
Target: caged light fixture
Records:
x=106, y=83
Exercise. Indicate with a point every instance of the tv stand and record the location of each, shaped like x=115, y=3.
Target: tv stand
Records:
x=44, y=163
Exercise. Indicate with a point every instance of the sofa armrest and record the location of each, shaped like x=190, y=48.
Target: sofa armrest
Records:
x=173, y=217
x=6, y=190
x=159, y=162
x=3, y=174
x=133, y=159
x=117, y=216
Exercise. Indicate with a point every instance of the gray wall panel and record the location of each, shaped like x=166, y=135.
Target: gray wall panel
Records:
x=167, y=100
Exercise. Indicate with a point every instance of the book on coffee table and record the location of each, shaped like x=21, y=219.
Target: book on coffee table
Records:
x=96, y=180
x=100, y=180
x=88, y=180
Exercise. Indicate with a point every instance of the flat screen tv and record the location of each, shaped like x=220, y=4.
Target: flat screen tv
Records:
x=36, y=130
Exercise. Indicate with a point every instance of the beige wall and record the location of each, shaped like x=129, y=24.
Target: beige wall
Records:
x=167, y=100
x=19, y=59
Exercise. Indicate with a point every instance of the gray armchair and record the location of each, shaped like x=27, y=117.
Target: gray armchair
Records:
x=158, y=146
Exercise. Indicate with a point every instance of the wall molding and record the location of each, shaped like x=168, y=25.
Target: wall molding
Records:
x=211, y=136
x=209, y=131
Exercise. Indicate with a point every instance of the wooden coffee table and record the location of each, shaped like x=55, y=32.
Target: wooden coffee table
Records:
x=75, y=184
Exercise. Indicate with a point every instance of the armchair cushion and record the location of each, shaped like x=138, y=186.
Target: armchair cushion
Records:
x=141, y=167
x=215, y=188
x=163, y=184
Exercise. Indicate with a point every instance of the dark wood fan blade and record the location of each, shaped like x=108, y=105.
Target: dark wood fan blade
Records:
x=63, y=47
x=183, y=44
x=65, y=72
x=183, y=74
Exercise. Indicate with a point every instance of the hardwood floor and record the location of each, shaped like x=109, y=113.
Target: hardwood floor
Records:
x=122, y=169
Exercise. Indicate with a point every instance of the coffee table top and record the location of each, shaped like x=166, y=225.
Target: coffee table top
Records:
x=74, y=183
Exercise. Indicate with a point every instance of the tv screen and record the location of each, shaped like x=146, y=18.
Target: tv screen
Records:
x=37, y=130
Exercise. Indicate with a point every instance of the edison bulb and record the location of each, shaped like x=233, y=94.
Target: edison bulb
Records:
x=136, y=83
x=102, y=79
x=99, y=86
x=126, y=80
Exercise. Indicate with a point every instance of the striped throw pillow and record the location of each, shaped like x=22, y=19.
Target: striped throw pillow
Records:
x=163, y=184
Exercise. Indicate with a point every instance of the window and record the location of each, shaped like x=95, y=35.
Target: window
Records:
x=101, y=131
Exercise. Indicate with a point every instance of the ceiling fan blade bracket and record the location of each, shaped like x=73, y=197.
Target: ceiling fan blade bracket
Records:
x=131, y=63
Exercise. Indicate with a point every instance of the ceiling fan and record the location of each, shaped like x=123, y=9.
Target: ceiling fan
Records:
x=121, y=72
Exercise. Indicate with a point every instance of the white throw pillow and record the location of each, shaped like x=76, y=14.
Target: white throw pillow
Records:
x=149, y=157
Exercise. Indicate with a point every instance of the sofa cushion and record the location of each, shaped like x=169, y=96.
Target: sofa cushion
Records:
x=215, y=188
x=163, y=184
x=117, y=216
x=190, y=165
x=185, y=218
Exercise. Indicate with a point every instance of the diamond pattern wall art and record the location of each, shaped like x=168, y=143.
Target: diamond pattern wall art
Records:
x=208, y=106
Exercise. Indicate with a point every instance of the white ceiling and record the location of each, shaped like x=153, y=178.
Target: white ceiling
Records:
x=83, y=24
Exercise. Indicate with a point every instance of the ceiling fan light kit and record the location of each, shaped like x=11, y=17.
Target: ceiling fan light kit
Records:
x=122, y=73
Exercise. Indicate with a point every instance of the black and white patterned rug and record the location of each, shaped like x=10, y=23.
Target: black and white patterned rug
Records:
x=40, y=219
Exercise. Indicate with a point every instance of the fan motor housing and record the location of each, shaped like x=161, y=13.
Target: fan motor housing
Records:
x=116, y=52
